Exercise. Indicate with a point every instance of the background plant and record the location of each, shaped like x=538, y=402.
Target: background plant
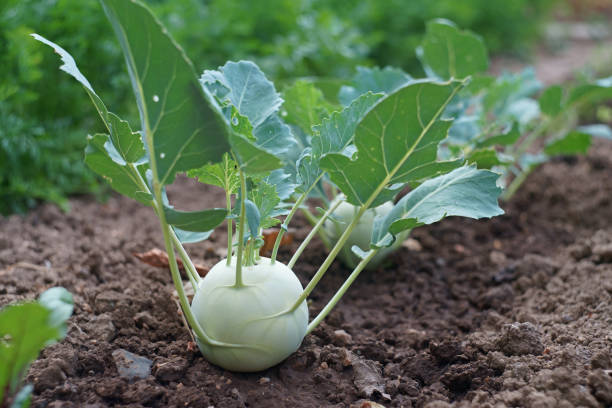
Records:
x=287, y=39
x=227, y=130
x=25, y=329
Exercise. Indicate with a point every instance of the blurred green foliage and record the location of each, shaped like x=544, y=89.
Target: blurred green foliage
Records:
x=42, y=114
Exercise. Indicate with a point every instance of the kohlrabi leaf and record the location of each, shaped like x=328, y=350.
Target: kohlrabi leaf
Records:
x=465, y=192
x=305, y=105
x=245, y=94
x=447, y=52
x=251, y=158
x=266, y=199
x=432, y=169
x=23, y=397
x=509, y=88
x=373, y=80
x=69, y=66
x=282, y=182
x=27, y=328
x=308, y=170
x=599, y=130
x=195, y=221
x=399, y=134
x=550, y=100
x=223, y=174
x=594, y=92
x=504, y=139
x=182, y=128
x=486, y=158
x=573, y=143
x=247, y=88
x=102, y=157
x=127, y=143
x=190, y=237
x=253, y=217
x=61, y=304
x=336, y=132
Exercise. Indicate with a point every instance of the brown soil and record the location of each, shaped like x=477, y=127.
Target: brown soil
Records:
x=515, y=311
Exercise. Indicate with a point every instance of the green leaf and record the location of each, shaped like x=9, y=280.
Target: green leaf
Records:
x=305, y=105
x=182, y=128
x=246, y=87
x=465, y=192
x=103, y=159
x=246, y=97
x=597, y=91
x=397, y=136
x=223, y=174
x=190, y=237
x=282, y=182
x=487, y=158
x=374, y=80
x=573, y=143
x=23, y=397
x=447, y=52
x=600, y=130
x=550, y=100
x=24, y=331
x=128, y=144
x=253, y=217
x=195, y=221
x=252, y=159
x=69, y=66
x=266, y=199
x=59, y=301
x=335, y=133
x=505, y=139
x=27, y=328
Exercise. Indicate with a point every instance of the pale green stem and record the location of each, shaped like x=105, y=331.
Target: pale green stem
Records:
x=328, y=261
x=295, y=207
x=531, y=138
x=514, y=185
x=194, y=277
x=228, y=199
x=187, y=263
x=240, y=252
x=312, y=233
x=312, y=220
x=347, y=283
x=176, y=278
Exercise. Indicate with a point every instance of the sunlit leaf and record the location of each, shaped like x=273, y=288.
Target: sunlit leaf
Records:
x=25, y=329
x=465, y=192
x=195, y=221
x=305, y=105
x=265, y=197
x=223, y=174
x=573, y=143
x=102, y=157
x=335, y=133
x=185, y=131
x=399, y=134
x=244, y=95
x=375, y=80
x=551, y=99
x=447, y=52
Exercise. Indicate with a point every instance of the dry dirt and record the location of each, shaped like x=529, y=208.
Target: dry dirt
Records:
x=510, y=312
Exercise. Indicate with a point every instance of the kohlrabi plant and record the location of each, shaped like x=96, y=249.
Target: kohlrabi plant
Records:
x=226, y=128
x=25, y=329
x=499, y=123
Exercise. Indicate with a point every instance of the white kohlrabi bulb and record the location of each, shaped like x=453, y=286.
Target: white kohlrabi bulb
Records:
x=361, y=234
x=242, y=315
